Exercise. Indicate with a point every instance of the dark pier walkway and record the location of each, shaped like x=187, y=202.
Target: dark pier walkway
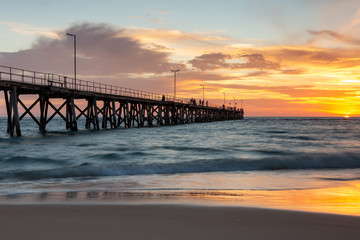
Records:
x=102, y=105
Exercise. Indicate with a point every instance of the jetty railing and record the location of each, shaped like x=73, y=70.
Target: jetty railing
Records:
x=50, y=79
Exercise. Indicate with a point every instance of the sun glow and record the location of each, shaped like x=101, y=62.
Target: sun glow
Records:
x=341, y=199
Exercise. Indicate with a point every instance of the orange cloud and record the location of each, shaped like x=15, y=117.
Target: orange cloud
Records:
x=337, y=36
x=219, y=61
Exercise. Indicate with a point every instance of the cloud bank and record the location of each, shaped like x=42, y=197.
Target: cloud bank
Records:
x=101, y=50
x=337, y=36
x=215, y=61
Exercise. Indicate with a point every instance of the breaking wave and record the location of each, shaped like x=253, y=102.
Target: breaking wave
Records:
x=88, y=169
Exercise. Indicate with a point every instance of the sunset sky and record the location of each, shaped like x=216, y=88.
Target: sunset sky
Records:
x=281, y=57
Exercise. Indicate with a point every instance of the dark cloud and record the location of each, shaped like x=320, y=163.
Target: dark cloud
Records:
x=211, y=61
x=256, y=61
x=301, y=91
x=338, y=58
x=214, y=61
x=338, y=36
x=294, y=71
x=257, y=74
x=326, y=56
x=101, y=50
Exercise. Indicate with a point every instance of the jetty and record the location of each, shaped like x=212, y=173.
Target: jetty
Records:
x=101, y=105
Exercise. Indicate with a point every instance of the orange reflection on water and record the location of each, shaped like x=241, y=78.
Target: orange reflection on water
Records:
x=343, y=199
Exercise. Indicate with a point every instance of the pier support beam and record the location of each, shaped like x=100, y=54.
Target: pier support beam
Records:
x=92, y=114
x=71, y=122
x=113, y=112
x=128, y=115
x=141, y=114
x=12, y=112
x=167, y=115
x=121, y=114
x=150, y=114
x=135, y=113
x=109, y=114
x=160, y=115
x=8, y=110
x=44, y=105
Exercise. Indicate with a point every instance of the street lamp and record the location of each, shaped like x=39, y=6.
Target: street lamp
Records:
x=175, y=71
x=74, y=36
x=203, y=85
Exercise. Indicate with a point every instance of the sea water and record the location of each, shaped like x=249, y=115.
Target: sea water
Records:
x=279, y=161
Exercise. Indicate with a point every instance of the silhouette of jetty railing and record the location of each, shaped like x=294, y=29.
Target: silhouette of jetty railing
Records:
x=46, y=79
x=121, y=106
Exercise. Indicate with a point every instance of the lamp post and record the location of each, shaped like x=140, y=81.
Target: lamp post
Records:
x=175, y=71
x=74, y=36
x=203, y=85
x=224, y=98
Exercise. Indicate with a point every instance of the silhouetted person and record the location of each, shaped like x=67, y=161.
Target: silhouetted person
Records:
x=163, y=98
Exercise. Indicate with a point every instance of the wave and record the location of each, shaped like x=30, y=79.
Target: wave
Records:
x=17, y=161
x=340, y=179
x=293, y=162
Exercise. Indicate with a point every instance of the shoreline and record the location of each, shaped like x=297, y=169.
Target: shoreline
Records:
x=169, y=221
x=326, y=200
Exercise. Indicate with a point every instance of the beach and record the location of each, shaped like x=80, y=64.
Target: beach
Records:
x=261, y=178
x=149, y=221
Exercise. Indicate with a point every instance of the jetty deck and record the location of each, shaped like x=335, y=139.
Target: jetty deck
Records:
x=105, y=105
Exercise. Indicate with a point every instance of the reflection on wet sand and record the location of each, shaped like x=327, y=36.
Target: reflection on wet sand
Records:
x=344, y=199
x=124, y=195
x=71, y=195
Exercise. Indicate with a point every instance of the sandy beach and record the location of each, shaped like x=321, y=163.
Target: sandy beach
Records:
x=169, y=222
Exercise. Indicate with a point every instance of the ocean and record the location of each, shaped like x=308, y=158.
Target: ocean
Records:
x=293, y=163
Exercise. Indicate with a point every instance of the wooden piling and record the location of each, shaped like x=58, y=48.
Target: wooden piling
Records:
x=71, y=122
x=43, y=112
x=13, y=113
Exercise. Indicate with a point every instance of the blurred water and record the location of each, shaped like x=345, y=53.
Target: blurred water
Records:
x=255, y=153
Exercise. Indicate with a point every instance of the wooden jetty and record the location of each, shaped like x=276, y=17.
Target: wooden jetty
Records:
x=106, y=105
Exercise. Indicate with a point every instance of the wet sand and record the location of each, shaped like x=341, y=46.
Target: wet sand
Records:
x=106, y=221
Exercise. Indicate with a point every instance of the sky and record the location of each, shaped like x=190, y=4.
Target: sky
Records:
x=275, y=57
